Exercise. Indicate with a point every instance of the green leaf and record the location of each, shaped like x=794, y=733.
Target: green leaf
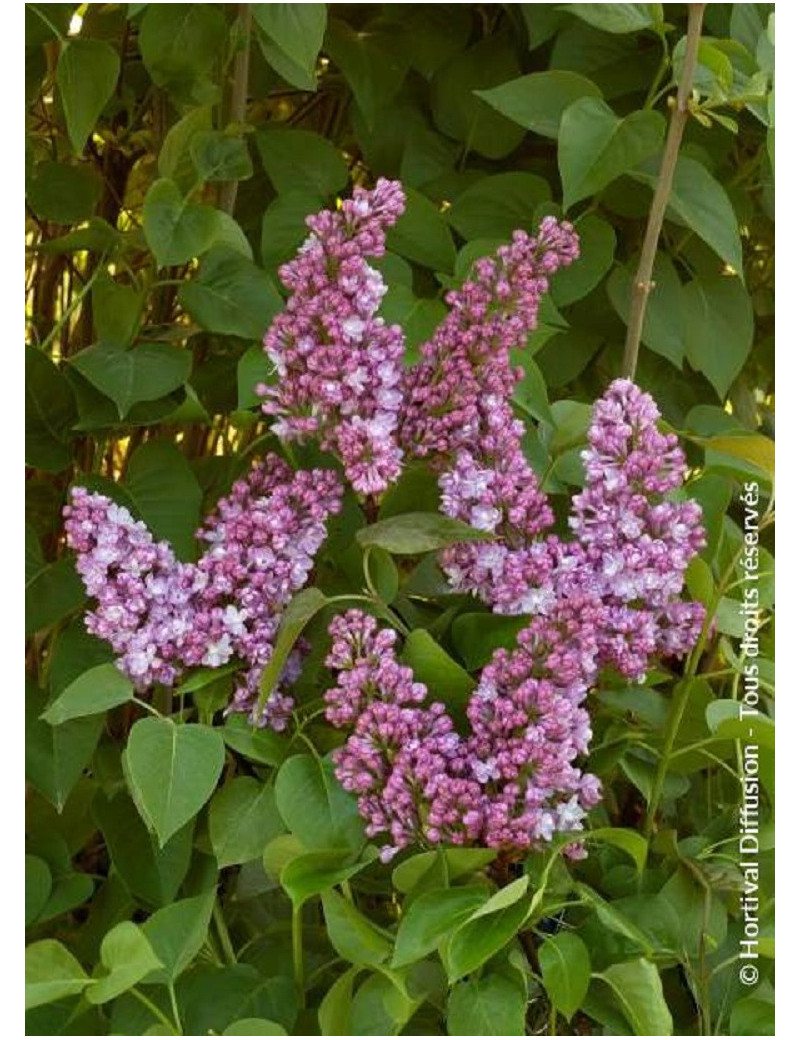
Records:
x=595, y=146
x=259, y=745
x=176, y=230
x=50, y=412
x=458, y=109
x=116, y=311
x=295, y=32
x=172, y=771
x=255, y=1027
x=177, y=933
x=231, y=295
x=618, y=18
x=637, y=989
x=175, y=159
x=180, y=42
x=211, y=998
x=598, y=243
x=373, y=61
x=734, y=720
x=335, y=1008
x=69, y=892
x=446, y=680
x=302, y=608
x=38, y=884
x=431, y=918
x=383, y=577
x=754, y=448
x=614, y=920
x=219, y=156
x=419, y=317
x=664, y=330
x=492, y=1005
x=719, y=328
x=127, y=957
x=146, y=372
x=312, y=873
x=381, y=1007
x=315, y=806
x=413, y=533
x=243, y=819
x=253, y=367
x=44, y=22
x=351, y=934
x=504, y=897
x=700, y=203
x=566, y=971
x=152, y=874
x=51, y=973
x=480, y=937
x=55, y=756
x=97, y=236
x=301, y=161
x=86, y=76
x=539, y=100
x=477, y=636
x=283, y=228
x=62, y=193
x=496, y=206
x=422, y=234
x=622, y=838
x=752, y=1016
x=458, y=862
x=93, y=693
x=166, y=494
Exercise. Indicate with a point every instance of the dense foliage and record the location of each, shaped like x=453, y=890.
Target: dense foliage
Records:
x=253, y=612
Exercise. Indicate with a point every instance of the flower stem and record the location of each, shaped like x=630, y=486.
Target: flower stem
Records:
x=222, y=932
x=643, y=282
x=155, y=1010
x=297, y=954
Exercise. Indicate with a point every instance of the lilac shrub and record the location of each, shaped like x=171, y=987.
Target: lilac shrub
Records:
x=609, y=595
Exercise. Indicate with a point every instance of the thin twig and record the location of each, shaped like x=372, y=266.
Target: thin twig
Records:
x=643, y=281
x=238, y=105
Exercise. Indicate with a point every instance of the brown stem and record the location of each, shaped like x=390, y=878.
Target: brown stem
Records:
x=643, y=282
x=238, y=104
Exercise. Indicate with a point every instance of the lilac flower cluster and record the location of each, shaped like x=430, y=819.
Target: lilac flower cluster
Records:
x=608, y=596
x=631, y=548
x=635, y=543
x=458, y=410
x=510, y=784
x=162, y=616
x=406, y=763
x=339, y=365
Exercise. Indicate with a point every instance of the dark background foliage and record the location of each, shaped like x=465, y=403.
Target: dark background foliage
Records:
x=172, y=154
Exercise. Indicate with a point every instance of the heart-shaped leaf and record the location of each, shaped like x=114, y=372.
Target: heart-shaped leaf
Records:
x=176, y=230
x=595, y=146
x=172, y=771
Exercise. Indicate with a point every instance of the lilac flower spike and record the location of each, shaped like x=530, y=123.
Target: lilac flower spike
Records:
x=162, y=616
x=633, y=543
x=339, y=365
x=510, y=784
x=458, y=410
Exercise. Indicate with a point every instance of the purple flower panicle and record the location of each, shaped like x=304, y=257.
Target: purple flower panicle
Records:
x=162, y=616
x=339, y=365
